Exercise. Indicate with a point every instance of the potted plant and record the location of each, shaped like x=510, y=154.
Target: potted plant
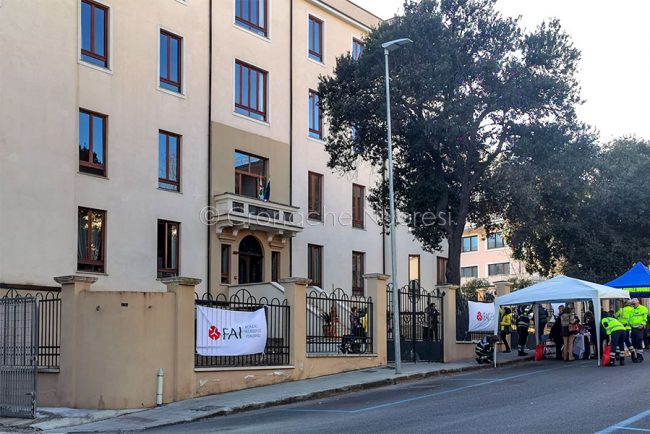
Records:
x=328, y=327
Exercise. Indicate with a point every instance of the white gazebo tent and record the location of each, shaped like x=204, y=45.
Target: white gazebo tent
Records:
x=556, y=290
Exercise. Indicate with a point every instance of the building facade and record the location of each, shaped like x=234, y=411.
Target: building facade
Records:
x=103, y=141
x=488, y=257
x=183, y=137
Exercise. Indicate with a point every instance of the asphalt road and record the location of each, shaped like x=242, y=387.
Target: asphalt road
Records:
x=539, y=397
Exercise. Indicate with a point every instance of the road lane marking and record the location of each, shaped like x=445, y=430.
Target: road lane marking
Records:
x=430, y=395
x=631, y=428
x=624, y=424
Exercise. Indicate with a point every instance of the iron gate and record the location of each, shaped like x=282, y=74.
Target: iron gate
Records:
x=18, y=356
x=421, y=328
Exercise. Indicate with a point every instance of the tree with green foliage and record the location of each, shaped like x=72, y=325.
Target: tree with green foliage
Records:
x=590, y=220
x=471, y=87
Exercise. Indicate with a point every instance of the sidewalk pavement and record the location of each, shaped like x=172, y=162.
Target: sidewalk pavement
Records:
x=266, y=396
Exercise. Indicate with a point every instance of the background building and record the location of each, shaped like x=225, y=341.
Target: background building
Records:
x=488, y=257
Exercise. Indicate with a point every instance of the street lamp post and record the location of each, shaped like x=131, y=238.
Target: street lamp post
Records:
x=388, y=48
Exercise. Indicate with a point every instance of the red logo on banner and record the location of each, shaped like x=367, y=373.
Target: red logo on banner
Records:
x=214, y=333
x=479, y=316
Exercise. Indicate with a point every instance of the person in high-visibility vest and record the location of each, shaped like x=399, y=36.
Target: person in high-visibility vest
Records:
x=623, y=315
x=523, y=322
x=638, y=322
x=616, y=333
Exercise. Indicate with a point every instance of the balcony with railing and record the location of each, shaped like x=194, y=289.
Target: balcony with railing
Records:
x=242, y=212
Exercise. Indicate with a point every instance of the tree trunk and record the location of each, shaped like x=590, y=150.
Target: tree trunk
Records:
x=455, y=240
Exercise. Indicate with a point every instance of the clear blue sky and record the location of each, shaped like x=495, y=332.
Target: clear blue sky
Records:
x=613, y=38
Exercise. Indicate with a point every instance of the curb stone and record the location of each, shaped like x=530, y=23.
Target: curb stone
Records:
x=315, y=395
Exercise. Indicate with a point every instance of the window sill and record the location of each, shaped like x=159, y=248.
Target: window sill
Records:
x=172, y=93
x=265, y=123
x=250, y=32
x=473, y=252
x=314, y=139
x=170, y=191
x=95, y=67
x=317, y=62
x=105, y=178
x=92, y=273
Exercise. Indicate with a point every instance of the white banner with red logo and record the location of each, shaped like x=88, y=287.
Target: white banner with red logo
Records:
x=481, y=317
x=221, y=332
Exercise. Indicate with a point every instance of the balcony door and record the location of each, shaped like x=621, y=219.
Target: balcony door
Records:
x=251, y=261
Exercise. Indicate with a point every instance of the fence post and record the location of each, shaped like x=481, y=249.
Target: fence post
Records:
x=184, y=341
x=295, y=292
x=503, y=287
x=71, y=287
x=449, y=321
x=376, y=289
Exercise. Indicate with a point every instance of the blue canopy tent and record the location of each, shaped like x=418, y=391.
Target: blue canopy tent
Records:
x=636, y=280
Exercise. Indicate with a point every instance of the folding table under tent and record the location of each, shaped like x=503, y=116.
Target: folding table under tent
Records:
x=636, y=280
x=556, y=290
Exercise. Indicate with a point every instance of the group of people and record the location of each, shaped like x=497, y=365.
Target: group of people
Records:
x=625, y=329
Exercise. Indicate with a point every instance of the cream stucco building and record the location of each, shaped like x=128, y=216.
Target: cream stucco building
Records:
x=67, y=64
x=140, y=140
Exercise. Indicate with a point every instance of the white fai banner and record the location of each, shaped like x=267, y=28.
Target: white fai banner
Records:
x=221, y=332
x=482, y=317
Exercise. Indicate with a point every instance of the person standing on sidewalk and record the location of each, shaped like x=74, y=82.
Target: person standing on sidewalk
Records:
x=505, y=327
x=638, y=321
x=623, y=316
x=616, y=333
x=523, y=321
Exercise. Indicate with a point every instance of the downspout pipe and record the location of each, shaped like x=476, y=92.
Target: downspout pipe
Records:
x=209, y=252
x=291, y=127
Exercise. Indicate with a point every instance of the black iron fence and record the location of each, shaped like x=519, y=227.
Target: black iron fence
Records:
x=49, y=320
x=276, y=352
x=420, y=323
x=18, y=356
x=338, y=323
x=462, y=315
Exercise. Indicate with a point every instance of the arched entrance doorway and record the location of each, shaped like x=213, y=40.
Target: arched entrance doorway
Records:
x=251, y=261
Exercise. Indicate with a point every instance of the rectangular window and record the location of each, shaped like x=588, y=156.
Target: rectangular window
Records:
x=91, y=240
x=414, y=268
x=92, y=143
x=358, y=205
x=315, y=196
x=94, y=33
x=252, y=15
x=275, y=266
x=499, y=269
x=469, y=272
x=441, y=270
x=495, y=241
x=357, y=48
x=169, y=161
x=358, y=266
x=168, y=248
x=250, y=174
x=470, y=244
x=315, y=39
x=315, y=116
x=170, y=61
x=250, y=91
x=225, y=264
x=315, y=264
